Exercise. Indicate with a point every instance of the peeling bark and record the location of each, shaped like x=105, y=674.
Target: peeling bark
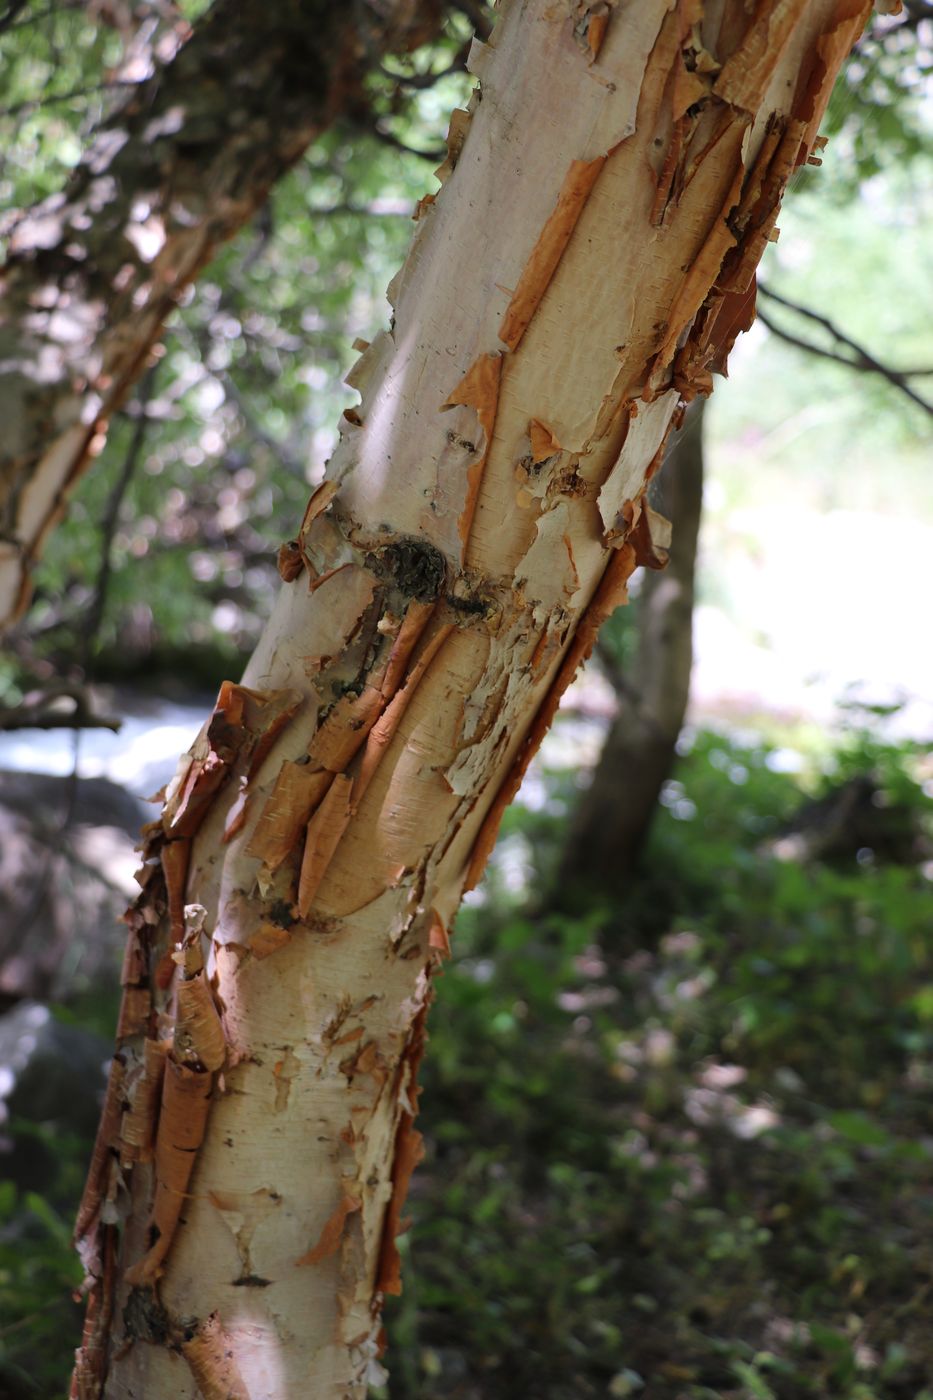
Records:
x=478, y=525
x=92, y=273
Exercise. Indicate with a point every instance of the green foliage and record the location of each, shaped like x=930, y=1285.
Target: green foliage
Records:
x=676, y=1149
x=242, y=411
x=40, y=1320
x=876, y=110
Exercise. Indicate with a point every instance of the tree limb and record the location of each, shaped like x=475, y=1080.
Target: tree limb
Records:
x=120, y=262
x=112, y=514
x=861, y=359
x=436, y=153
x=38, y=712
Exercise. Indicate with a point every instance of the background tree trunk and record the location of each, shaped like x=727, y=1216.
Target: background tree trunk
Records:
x=612, y=820
x=587, y=264
x=92, y=273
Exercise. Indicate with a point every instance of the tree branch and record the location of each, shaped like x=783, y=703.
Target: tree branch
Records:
x=108, y=524
x=39, y=712
x=437, y=153
x=421, y=81
x=861, y=359
x=48, y=99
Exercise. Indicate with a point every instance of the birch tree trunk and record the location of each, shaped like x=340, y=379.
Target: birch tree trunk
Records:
x=93, y=272
x=585, y=267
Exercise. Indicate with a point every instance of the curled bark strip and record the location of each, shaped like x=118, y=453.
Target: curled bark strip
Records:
x=175, y=856
x=696, y=284
x=268, y=939
x=236, y=817
x=612, y=590
x=479, y=390
x=668, y=171
x=290, y=561
x=186, y=1095
x=409, y=1150
x=212, y=1363
x=381, y=734
x=91, y=1357
x=456, y=135
x=345, y=728
x=325, y=829
x=107, y=1133
x=298, y=790
x=135, y=963
x=332, y=1233
x=136, y=999
x=650, y=539
x=414, y=622
x=198, y=1030
x=549, y=249
x=267, y=714
x=596, y=30
x=137, y=1131
x=850, y=19
x=318, y=503
x=438, y=937
x=544, y=443
x=241, y=730
x=135, y=1007
x=746, y=73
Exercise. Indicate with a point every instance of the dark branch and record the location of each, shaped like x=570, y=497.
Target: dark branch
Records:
x=421, y=81
x=108, y=524
x=436, y=154
x=859, y=358
x=478, y=15
x=47, y=99
x=39, y=711
x=8, y=18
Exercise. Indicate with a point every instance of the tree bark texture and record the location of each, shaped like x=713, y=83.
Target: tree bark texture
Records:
x=93, y=272
x=587, y=263
x=614, y=814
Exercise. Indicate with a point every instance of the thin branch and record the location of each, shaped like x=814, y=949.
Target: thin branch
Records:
x=36, y=17
x=8, y=18
x=281, y=450
x=111, y=515
x=421, y=81
x=39, y=712
x=386, y=137
x=379, y=209
x=478, y=15
x=861, y=359
x=615, y=674
x=915, y=12
x=48, y=99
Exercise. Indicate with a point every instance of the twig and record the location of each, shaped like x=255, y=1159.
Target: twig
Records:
x=39, y=713
x=8, y=18
x=111, y=515
x=421, y=81
x=862, y=359
x=386, y=137
x=379, y=209
x=48, y=99
x=477, y=14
